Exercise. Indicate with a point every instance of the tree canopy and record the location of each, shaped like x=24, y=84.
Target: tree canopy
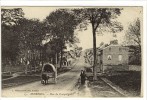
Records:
x=11, y=16
x=10, y=38
x=133, y=34
x=61, y=24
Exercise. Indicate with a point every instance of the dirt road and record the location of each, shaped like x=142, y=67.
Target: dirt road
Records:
x=64, y=87
x=67, y=86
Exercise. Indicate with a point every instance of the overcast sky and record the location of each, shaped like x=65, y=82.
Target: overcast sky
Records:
x=128, y=15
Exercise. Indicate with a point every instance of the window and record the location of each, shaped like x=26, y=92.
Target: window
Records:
x=109, y=57
x=120, y=57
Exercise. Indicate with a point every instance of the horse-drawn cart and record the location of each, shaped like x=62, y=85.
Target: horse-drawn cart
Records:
x=48, y=71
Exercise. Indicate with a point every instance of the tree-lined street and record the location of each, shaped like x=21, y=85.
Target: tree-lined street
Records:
x=35, y=50
x=68, y=85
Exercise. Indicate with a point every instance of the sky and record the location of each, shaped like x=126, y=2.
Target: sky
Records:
x=128, y=15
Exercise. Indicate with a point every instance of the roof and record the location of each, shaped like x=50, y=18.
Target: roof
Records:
x=111, y=46
x=50, y=65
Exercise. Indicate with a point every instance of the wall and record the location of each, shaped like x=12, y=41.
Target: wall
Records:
x=135, y=68
x=115, y=51
x=115, y=68
x=115, y=63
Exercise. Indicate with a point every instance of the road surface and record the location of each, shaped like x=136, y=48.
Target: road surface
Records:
x=67, y=86
x=63, y=88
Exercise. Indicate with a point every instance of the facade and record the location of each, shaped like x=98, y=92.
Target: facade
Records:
x=113, y=58
x=68, y=56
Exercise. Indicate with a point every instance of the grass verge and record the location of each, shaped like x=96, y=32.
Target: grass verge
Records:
x=129, y=81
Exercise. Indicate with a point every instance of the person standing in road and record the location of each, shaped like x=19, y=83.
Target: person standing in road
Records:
x=83, y=77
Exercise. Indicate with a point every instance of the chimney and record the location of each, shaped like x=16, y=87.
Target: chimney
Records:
x=114, y=42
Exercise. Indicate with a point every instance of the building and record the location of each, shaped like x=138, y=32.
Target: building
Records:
x=113, y=58
x=68, y=57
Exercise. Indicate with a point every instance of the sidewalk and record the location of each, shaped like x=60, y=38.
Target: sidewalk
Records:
x=83, y=90
x=97, y=88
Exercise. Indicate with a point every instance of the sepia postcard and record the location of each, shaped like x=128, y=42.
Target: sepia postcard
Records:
x=93, y=51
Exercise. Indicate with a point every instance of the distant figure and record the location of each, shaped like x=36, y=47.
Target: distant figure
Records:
x=83, y=77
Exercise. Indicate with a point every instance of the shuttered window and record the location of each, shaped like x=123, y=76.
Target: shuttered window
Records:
x=120, y=57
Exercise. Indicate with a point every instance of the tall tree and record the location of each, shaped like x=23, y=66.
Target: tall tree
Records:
x=133, y=37
x=10, y=38
x=99, y=18
x=133, y=33
x=10, y=43
x=61, y=25
x=32, y=33
x=53, y=50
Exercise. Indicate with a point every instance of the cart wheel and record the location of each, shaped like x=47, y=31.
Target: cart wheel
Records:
x=43, y=82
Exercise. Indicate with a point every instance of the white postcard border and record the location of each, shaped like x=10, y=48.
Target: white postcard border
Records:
x=88, y=3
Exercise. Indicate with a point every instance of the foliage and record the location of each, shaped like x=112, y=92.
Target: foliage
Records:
x=31, y=33
x=10, y=38
x=20, y=35
x=11, y=16
x=133, y=36
x=133, y=33
x=135, y=55
x=10, y=42
x=61, y=24
x=101, y=19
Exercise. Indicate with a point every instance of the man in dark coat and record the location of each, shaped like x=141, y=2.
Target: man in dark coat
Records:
x=83, y=77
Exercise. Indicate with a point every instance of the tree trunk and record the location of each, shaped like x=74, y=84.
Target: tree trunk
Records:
x=61, y=57
x=94, y=54
x=42, y=54
x=57, y=57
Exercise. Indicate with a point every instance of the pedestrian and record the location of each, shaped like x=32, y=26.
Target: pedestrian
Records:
x=83, y=77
